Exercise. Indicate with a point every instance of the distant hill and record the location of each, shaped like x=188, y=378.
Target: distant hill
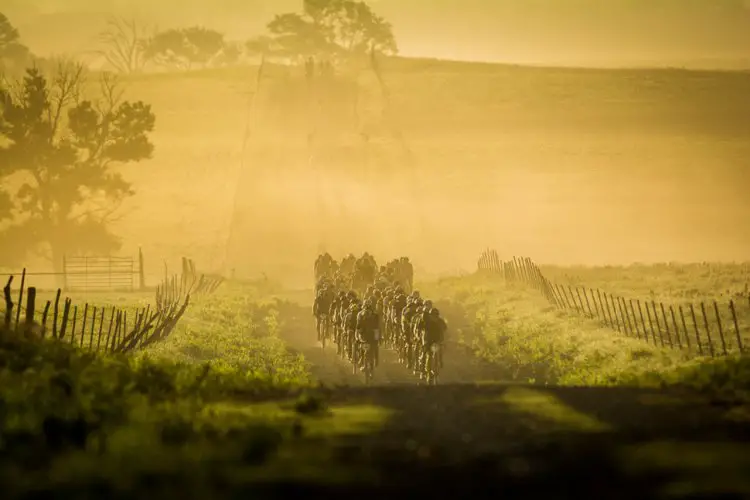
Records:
x=713, y=34
x=568, y=165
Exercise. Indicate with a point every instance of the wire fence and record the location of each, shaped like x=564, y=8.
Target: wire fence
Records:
x=707, y=328
x=105, y=329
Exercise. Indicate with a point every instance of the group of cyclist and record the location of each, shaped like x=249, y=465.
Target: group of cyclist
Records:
x=362, y=308
x=358, y=273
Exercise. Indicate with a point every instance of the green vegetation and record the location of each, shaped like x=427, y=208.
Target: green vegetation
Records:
x=238, y=331
x=222, y=405
x=73, y=423
x=515, y=326
x=109, y=422
x=225, y=404
x=675, y=282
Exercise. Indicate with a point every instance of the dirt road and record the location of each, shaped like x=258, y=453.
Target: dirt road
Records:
x=298, y=331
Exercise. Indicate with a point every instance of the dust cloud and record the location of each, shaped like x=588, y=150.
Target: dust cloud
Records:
x=593, y=166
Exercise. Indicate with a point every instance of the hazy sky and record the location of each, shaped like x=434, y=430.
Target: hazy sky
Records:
x=707, y=33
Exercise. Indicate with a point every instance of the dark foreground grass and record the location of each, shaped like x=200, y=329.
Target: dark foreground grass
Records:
x=75, y=426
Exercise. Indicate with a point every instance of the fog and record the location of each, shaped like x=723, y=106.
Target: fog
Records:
x=682, y=33
x=567, y=166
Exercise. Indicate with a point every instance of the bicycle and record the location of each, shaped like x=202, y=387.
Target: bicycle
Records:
x=369, y=361
x=324, y=327
x=433, y=364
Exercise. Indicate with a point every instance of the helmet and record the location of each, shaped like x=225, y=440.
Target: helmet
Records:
x=428, y=304
x=434, y=311
x=415, y=293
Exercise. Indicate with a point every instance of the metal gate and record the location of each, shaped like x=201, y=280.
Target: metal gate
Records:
x=99, y=273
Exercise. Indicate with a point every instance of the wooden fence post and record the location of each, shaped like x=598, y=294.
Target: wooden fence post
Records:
x=684, y=327
x=93, y=328
x=656, y=320
x=643, y=323
x=651, y=325
x=83, y=323
x=635, y=320
x=736, y=326
x=708, y=330
x=596, y=306
x=721, y=329
x=612, y=317
x=626, y=315
x=8, y=303
x=66, y=312
x=73, y=326
x=141, y=272
x=20, y=297
x=101, y=328
x=676, y=328
x=573, y=299
x=604, y=311
x=44, y=318
x=588, y=304
x=697, y=332
x=666, y=325
x=30, y=308
x=55, y=314
x=580, y=300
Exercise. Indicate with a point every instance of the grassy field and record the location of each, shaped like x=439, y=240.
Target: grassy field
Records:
x=227, y=404
x=562, y=164
x=639, y=165
x=668, y=281
x=517, y=327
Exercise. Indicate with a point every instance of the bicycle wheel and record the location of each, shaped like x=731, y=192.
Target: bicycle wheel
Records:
x=324, y=334
x=369, y=368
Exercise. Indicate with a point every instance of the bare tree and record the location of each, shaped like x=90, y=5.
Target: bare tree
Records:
x=124, y=44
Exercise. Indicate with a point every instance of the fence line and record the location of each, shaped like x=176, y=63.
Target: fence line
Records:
x=204, y=283
x=715, y=331
x=117, y=273
x=105, y=329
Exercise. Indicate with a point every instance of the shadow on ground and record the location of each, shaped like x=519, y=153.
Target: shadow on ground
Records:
x=492, y=438
x=519, y=440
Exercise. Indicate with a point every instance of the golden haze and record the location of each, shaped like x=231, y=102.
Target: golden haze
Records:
x=587, y=166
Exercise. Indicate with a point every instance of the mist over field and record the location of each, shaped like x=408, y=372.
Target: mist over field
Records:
x=691, y=33
x=571, y=165
x=356, y=248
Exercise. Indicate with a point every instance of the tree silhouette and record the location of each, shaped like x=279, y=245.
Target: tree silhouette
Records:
x=331, y=29
x=183, y=48
x=124, y=45
x=69, y=191
x=258, y=46
x=12, y=52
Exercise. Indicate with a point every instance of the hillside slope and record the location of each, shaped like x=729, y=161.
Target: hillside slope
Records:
x=664, y=153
